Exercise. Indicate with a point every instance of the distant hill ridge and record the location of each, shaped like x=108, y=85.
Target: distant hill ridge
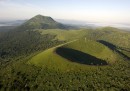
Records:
x=41, y=22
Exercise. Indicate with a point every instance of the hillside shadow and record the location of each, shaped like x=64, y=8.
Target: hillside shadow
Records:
x=79, y=57
x=113, y=47
x=127, y=50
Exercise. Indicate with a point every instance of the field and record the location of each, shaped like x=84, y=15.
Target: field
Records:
x=81, y=60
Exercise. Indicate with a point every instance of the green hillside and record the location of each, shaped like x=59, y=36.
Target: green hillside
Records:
x=113, y=35
x=79, y=52
x=64, y=35
x=50, y=70
x=93, y=48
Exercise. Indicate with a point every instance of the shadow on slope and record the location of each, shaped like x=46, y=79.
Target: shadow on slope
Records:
x=79, y=57
x=113, y=47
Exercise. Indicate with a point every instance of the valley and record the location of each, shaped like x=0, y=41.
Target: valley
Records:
x=42, y=54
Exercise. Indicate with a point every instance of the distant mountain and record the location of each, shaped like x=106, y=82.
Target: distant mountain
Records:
x=72, y=22
x=41, y=22
x=12, y=23
x=6, y=28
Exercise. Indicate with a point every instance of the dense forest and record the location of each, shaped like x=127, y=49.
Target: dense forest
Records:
x=14, y=44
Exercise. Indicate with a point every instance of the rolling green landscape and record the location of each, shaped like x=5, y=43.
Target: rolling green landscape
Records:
x=45, y=55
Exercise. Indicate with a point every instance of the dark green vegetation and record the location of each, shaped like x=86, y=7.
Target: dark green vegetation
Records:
x=79, y=57
x=53, y=59
x=114, y=48
x=15, y=44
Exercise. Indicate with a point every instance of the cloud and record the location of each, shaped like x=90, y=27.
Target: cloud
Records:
x=4, y=0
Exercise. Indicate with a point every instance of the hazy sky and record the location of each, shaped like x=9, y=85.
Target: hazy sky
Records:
x=86, y=10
